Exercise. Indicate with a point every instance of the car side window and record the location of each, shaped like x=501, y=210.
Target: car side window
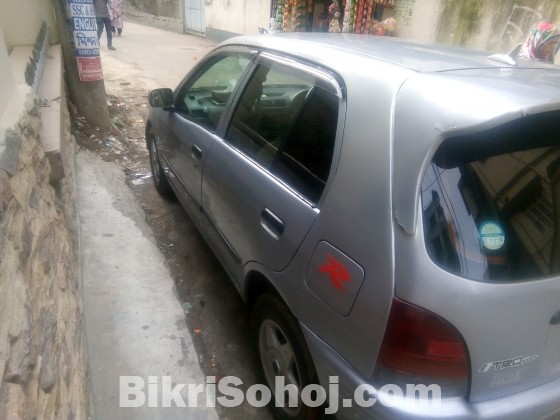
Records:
x=203, y=98
x=286, y=121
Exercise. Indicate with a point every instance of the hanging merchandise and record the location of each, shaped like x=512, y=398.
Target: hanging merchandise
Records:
x=368, y=12
x=287, y=13
x=359, y=17
x=352, y=16
x=334, y=17
x=296, y=15
x=292, y=16
x=299, y=16
x=349, y=16
x=385, y=3
x=279, y=18
x=334, y=25
x=301, y=13
x=346, y=18
x=386, y=28
x=390, y=25
x=363, y=16
x=377, y=28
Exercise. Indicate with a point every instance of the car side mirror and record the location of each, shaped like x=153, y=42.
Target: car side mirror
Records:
x=161, y=98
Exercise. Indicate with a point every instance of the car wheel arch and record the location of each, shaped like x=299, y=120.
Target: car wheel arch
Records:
x=257, y=284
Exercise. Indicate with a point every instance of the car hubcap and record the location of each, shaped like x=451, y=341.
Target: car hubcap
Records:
x=278, y=359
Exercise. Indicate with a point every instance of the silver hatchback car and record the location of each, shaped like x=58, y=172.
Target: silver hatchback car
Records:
x=391, y=212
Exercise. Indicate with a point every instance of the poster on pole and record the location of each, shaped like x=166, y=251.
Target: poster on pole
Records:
x=84, y=29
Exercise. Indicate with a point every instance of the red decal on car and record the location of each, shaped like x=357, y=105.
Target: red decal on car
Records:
x=336, y=271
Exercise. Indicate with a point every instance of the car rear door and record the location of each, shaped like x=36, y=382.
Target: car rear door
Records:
x=263, y=183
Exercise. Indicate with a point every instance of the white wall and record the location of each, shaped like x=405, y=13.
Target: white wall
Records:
x=7, y=82
x=500, y=25
x=508, y=24
x=21, y=20
x=238, y=16
x=416, y=18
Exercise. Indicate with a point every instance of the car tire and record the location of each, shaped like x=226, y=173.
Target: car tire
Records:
x=158, y=174
x=282, y=351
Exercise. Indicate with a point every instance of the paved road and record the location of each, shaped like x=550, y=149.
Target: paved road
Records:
x=157, y=55
x=157, y=303
x=134, y=324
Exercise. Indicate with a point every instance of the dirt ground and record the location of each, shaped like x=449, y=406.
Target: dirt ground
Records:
x=215, y=314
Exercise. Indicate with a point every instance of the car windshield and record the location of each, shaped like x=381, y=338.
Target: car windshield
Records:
x=491, y=202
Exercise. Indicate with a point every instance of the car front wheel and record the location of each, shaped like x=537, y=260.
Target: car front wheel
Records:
x=160, y=179
x=284, y=356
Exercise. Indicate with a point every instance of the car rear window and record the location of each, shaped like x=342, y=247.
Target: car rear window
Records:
x=491, y=201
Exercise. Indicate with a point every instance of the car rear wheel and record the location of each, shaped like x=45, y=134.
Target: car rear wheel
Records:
x=283, y=353
x=160, y=179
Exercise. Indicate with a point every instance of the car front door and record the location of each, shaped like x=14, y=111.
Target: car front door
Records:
x=263, y=183
x=189, y=131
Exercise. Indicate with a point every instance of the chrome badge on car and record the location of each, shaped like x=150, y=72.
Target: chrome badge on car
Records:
x=508, y=363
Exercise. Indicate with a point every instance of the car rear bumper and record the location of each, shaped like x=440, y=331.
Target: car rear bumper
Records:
x=537, y=403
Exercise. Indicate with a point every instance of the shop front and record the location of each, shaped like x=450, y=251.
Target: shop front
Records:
x=351, y=16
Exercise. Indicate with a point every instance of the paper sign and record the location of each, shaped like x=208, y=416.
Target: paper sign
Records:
x=404, y=10
x=90, y=69
x=84, y=27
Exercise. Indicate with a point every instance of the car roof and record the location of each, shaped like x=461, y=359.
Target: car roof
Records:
x=413, y=55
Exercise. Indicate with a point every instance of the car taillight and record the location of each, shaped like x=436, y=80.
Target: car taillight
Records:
x=420, y=347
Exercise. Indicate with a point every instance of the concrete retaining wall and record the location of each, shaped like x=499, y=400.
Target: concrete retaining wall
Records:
x=496, y=25
x=240, y=17
x=222, y=18
x=43, y=363
x=163, y=14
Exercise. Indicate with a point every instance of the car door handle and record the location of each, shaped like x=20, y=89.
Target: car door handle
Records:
x=196, y=152
x=272, y=223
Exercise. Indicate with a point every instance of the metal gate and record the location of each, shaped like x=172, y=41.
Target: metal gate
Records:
x=194, y=17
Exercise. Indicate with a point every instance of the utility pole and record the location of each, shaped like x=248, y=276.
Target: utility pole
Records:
x=86, y=92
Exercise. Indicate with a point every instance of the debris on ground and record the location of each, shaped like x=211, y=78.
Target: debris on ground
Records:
x=124, y=142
